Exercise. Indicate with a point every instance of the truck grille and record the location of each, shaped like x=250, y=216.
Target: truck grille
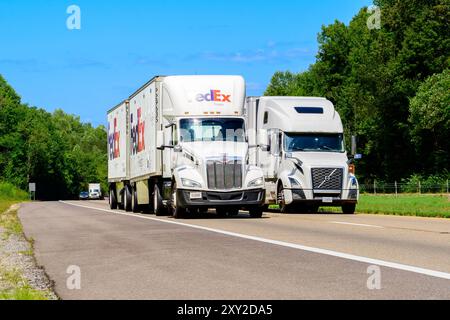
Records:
x=327, y=178
x=223, y=175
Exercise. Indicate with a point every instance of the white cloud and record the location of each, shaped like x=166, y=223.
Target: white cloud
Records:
x=271, y=53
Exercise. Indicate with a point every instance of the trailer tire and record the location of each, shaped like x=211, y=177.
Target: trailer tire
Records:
x=158, y=206
x=134, y=201
x=127, y=199
x=112, y=200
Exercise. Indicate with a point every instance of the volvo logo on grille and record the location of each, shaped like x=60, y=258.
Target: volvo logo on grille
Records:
x=327, y=178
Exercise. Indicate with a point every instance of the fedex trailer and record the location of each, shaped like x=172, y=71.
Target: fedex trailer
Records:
x=179, y=145
x=300, y=147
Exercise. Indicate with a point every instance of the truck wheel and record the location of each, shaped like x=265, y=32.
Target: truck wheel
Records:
x=158, y=206
x=256, y=213
x=121, y=195
x=284, y=208
x=127, y=199
x=112, y=200
x=134, y=201
x=177, y=211
x=349, y=208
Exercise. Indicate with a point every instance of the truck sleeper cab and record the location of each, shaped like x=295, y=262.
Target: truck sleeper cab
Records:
x=301, y=150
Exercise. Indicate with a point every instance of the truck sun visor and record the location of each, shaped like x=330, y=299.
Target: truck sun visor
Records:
x=309, y=110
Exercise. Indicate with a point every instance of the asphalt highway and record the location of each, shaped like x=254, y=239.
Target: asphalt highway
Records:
x=325, y=256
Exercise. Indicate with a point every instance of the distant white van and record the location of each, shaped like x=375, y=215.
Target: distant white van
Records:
x=95, y=192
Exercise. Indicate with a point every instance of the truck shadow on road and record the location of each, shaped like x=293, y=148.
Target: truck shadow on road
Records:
x=245, y=216
x=212, y=216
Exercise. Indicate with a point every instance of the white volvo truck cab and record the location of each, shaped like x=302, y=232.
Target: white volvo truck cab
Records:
x=300, y=147
x=189, y=149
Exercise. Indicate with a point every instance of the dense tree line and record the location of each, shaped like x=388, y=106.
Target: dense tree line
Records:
x=390, y=85
x=54, y=150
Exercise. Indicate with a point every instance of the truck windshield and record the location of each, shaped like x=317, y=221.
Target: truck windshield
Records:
x=307, y=142
x=217, y=129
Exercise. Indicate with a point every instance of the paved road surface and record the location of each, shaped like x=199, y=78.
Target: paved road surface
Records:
x=126, y=256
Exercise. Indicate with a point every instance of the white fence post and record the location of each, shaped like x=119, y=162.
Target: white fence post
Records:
x=420, y=188
x=375, y=187
x=396, y=191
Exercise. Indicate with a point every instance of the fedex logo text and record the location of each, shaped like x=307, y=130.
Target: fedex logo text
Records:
x=215, y=96
x=137, y=133
x=113, y=140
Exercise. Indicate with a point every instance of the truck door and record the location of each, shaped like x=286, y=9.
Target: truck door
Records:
x=167, y=161
x=170, y=157
x=269, y=158
x=174, y=142
x=275, y=152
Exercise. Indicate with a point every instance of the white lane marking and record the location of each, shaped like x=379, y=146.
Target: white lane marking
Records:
x=357, y=224
x=388, y=264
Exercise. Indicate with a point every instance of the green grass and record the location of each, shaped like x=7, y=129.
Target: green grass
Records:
x=18, y=287
x=11, y=193
x=406, y=205
x=425, y=205
x=11, y=223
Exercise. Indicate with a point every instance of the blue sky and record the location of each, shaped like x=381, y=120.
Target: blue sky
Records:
x=122, y=44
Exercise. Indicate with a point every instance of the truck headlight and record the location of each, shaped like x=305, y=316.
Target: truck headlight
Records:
x=353, y=181
x=190, y=183
x=256, y=183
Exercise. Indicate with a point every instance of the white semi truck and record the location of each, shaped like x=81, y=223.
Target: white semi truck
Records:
x=300, y=147
x=179, y=144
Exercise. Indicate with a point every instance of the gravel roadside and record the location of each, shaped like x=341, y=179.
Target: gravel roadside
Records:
x=18, y=268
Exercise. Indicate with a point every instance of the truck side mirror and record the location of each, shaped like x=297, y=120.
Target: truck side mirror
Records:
x=353, y=146
x=262, y=138
x=265, y=148
x=160, y=140
x=178, y=149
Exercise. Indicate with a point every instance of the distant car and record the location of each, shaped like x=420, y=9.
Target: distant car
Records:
x=84, y=195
